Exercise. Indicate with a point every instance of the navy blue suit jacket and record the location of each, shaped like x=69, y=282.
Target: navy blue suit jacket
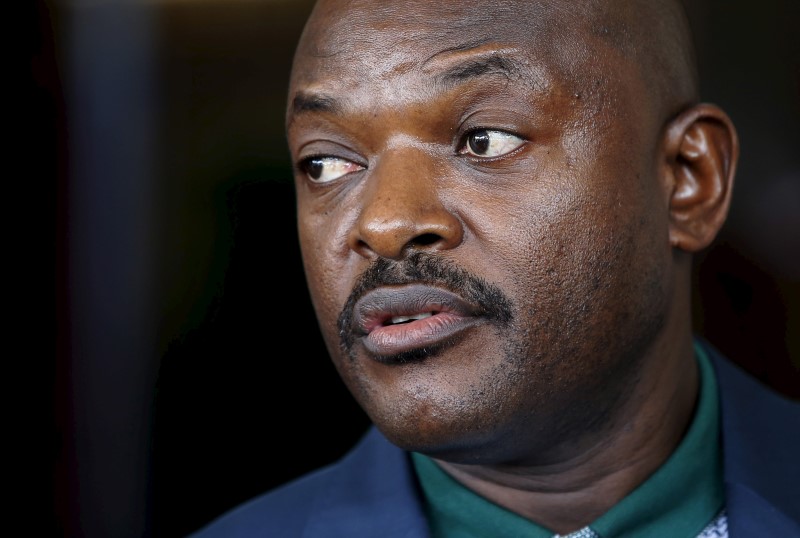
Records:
x=372, y=492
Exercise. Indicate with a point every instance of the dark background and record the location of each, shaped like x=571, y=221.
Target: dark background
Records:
x=180, y=371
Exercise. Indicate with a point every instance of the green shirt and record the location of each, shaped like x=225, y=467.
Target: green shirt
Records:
x=677, y=501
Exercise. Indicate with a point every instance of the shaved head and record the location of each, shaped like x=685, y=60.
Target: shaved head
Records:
x=653, y=35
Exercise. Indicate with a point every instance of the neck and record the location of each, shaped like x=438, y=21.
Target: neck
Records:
x=572, y=492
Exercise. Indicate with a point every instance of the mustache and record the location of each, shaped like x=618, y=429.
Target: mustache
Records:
x=425, y=268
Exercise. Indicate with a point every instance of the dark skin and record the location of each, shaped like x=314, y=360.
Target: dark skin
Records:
x=497, y=207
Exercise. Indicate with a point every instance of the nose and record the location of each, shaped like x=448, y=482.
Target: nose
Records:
x=401, y=209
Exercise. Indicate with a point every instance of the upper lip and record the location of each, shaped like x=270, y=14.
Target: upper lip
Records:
x=376, y=308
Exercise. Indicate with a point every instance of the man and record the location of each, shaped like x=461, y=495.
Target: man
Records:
x=498, y=205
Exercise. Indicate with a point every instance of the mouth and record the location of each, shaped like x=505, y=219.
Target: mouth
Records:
x=392, y=321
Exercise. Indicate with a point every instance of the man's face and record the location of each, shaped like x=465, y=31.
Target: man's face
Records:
x=482, y=226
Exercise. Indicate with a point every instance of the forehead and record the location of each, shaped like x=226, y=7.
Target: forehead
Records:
x=350, y=27
x=349, y=44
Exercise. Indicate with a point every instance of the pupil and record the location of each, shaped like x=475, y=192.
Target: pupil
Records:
x=479, y=142
x=314, y=168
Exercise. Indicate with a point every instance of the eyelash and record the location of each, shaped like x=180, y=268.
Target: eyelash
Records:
x=304, y=166
x=465, y=141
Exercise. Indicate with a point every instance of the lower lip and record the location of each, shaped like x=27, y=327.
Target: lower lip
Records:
x=394, y=339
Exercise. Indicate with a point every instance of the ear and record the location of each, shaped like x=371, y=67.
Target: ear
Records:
x=701, y=150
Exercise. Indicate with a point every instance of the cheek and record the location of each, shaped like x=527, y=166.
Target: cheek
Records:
x=324, y=271
x=593, y=257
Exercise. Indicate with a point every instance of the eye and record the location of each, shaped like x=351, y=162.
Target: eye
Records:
x=490, y=143
x=326, y=169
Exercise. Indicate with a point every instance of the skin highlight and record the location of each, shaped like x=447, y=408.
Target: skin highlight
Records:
x=573, y=377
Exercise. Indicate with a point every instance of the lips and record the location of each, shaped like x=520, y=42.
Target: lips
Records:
x=397, y=320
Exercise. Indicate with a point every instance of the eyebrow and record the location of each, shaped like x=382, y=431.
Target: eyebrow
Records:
x=314, y=102
x=476, y=67
x=453, y=75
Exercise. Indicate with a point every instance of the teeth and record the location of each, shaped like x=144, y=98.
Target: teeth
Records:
x=403, y=319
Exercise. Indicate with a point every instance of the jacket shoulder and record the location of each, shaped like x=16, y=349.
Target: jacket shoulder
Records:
x=760, y=445
x=371, y=491
x=279, y=512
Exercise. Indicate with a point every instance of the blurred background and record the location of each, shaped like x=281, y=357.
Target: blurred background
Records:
x=183, y=372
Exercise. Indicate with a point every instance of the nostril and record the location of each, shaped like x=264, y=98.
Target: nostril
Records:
x=424, y=240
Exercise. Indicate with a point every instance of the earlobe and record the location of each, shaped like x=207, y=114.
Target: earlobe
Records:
x=702, y=150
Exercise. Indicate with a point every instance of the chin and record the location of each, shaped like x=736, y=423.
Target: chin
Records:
x=450, y=435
